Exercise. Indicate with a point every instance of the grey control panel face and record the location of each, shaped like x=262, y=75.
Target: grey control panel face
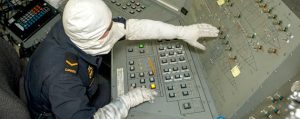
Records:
x=256, y=52
x=165, y=66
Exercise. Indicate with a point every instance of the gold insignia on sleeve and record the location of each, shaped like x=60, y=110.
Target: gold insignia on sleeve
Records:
x=70, y=70
x=71, y=64
x=90, y=72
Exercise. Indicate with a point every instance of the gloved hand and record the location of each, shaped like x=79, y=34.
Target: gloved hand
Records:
x=138, y=96
x=192, y=33
x=118, y=109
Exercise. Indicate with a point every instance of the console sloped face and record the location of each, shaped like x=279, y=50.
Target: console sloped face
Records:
x=255, y=53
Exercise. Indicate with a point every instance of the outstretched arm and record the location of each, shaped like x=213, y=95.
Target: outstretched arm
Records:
x=144, y=29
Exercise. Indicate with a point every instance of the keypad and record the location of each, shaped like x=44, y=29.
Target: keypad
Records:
x=163, y=67
x=32, y=16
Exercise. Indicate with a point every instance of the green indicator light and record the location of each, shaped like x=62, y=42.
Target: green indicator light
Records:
x=141, y=46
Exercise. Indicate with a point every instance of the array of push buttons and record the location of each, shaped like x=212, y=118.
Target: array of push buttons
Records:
x=132, y=7
x=141, y=71
x=176, y=73
x=164, y=68
x=32, y=16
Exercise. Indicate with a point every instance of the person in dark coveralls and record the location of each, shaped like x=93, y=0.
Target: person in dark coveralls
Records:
x=61, y=76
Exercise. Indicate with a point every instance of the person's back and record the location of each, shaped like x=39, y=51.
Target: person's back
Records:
x=49, y=75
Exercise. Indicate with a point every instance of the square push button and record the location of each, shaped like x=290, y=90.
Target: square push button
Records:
x=152, y=79
x=166, y=70
x=133, y=85
x=132, y=75
x=183, y=85
x=171, y=95
x=131, y=68
x=142, y=51
x=130, y=49
x=142, y=74
x=161, y=48
x=185, y=93
x=131, y=62
x=175, y=68
x=170, y=88
x=142, y=81
x=168, y=78
x=187, y=75
x=187, y=105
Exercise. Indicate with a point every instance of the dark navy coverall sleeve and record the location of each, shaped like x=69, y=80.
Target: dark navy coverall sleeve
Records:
x=68, y=98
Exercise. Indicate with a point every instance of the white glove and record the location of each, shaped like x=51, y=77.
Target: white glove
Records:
x=143, y=29
x=192, y=33
x=119, y=108
x=138, y=96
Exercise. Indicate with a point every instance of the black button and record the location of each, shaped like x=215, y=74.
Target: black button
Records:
x=177, y=76
x=183, y=85
x=178, y=46
x=152, y=79
x=130, y=49
x=128, y=4
x=173, y=60
x=131, y=62
x=142, y=74
x=133, y=85
x=142, y=81
x=143, y=86
x=179, y=52
x=181, y=58
x=118, y=4
x=142, y=51
x=138, y=10
x=132, y=68
x=169, y=47
x=162, y=54
x=185, y=93
x=187, y=106
x=184, y=67
x=133, y=7
x=132, y=75
x=170, y=88
x=166, y=70
x=186, y=74
x=150, y=73
x=171, y=95
x=171, y=53
x=164, y=61
x=131, y=12
x=175, y=68
x=161, y=48
x=168, y=78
